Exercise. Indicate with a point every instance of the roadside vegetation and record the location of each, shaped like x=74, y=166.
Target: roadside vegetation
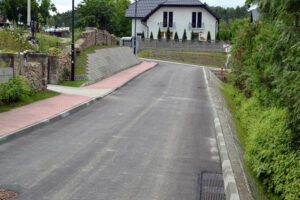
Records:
x=73, y=83
x=81, y=59
x=264, y=95
x=17, y=92
x=198, y=58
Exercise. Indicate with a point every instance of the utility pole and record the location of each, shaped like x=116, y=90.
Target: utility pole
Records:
x=135, y=27
x=28, y=13
x=73, y=46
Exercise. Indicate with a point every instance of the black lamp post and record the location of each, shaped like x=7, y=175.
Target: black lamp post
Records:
x=135, y=13
x=73, y=46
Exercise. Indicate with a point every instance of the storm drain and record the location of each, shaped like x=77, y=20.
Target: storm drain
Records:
x=211, y=186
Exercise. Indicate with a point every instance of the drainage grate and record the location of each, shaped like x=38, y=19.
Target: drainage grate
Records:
x=211, y=186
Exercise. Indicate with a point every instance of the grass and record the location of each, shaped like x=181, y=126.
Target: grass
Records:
x=47, y=41
x=214, y=59
x=81, y=59
x=73, y=83
x=259, y=190
x=28, y=100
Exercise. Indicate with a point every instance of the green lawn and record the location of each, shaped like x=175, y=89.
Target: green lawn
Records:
x=46, y=41
x=28, y=100
x=214, y=59
x=73, y=83
x=81, y=59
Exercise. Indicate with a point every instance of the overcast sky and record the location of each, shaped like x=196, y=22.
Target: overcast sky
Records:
x=64, y=5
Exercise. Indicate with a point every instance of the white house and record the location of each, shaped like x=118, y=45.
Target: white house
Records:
x=179, y=15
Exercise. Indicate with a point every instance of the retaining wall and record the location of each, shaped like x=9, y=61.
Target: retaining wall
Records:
x=213, y=46
x=106, y=62
x=34, y=68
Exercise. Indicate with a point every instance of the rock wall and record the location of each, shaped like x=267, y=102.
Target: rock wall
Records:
x=34, y=68
x=106, y=62
x=95, y=37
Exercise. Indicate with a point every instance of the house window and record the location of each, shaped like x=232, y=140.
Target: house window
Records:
x=171, y=34
x=165, y=22
x=196, y=36
x=170, y=19
x=196, y=20
x=199, y=23
x=163, y=34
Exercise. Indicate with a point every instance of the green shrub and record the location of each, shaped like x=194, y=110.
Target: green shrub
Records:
x=143, y=35
x=208, y=36
x=269, y=148
x=192, y=35
x=151, y=36
x=218, y=36
x=184, y=37
x=168, y=34
x=159, y=34
x=13, y=90
x=176, y=36
x=13, y=41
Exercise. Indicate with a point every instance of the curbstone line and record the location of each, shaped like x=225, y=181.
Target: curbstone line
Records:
x=30, y=128
x=230, y=185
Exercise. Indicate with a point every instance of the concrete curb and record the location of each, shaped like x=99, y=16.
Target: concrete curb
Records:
x=28, y=129
x=230, y=185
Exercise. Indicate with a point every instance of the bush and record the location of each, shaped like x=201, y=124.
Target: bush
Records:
x=184, y=37
x=143, y=35
x=159, y=34
x=269, y=148
x=192, y=35
x=13, y=41
x=151, y=36
x=208, y=36
x=13, y=90
x=218, y=36
x=168, y=34
x=176, y=36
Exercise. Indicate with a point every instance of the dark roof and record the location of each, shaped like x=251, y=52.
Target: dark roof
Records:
x=146, y=8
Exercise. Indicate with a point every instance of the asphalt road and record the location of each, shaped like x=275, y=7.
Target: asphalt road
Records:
x=149, y=140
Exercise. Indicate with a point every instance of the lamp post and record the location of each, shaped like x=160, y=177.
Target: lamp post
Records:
x=73, y=46
x=28, y=13
x=135, y=13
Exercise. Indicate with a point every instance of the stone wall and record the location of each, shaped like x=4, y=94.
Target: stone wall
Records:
x=34, y=68
x=95, y=37
x=213, y=46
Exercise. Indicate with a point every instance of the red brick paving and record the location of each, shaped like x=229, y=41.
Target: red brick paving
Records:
x=30, y=114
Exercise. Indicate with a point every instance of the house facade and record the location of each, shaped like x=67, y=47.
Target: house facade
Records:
x=178, y=15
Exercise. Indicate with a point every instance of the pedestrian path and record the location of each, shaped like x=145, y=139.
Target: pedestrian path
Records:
x=70, y=98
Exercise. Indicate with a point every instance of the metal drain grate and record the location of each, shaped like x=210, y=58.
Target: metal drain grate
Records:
x=211, y=186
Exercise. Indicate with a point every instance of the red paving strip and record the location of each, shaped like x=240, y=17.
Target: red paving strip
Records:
x=25, y=116
x=28, y=115
x=122, y=77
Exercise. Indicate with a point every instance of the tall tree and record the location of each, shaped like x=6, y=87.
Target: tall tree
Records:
x=45, y=8
x=12, y=8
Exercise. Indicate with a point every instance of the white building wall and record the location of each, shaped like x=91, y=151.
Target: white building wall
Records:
x=139, y=27
x=182, y=19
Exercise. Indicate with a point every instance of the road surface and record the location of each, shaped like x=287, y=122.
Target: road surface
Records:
x=149, y=140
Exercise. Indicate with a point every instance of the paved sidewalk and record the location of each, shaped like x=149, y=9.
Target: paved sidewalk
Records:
x=27, y=116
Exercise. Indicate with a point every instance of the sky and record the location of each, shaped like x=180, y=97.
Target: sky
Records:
x=65, y=5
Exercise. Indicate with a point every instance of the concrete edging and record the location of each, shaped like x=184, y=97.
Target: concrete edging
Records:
x=64, y=114
x=230, y=185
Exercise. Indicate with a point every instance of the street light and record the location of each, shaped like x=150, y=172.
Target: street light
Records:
x=73, y=46
x=135, y=27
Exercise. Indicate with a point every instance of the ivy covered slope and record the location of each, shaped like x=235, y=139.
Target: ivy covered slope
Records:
x=266, y=69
